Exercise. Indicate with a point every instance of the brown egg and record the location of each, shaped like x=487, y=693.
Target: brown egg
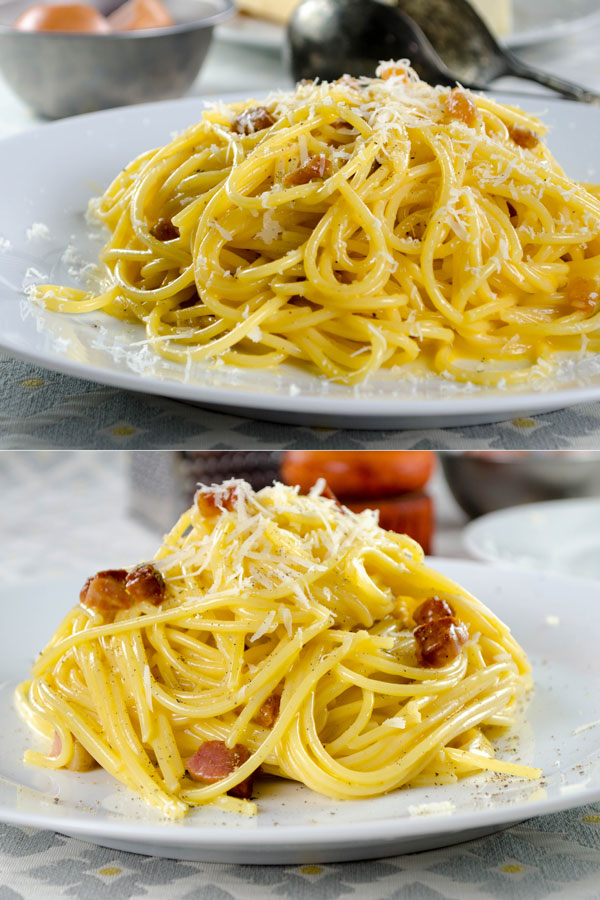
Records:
x=140, y=14
x=68, y=17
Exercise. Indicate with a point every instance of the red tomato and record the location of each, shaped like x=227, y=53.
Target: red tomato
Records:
x=411, y=514
x=359, y=473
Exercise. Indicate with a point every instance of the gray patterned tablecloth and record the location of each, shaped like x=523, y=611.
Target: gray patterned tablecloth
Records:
x=555, y=856
x=43, y=409
x=552, y=856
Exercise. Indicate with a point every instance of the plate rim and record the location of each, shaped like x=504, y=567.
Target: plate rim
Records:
x=370, y=408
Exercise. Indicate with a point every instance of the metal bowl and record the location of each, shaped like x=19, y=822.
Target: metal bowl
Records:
x=64, y=73
x=484, y=482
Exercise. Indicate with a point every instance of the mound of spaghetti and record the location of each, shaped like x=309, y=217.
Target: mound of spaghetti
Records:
x=281, y=633
x=352, y=226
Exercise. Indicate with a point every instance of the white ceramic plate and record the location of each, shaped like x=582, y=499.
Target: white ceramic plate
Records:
x=47, y=176
x=295, y=825
x=535, y=21
x=557, y=536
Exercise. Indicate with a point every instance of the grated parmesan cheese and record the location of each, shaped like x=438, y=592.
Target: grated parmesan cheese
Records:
x=303, y=148
x=396, y=722
x=226, y=235
x=586, y=727
x=286, y=618
x=443, y=808
x=38, y=232
x=271, y=229
x=32, y=276
x=264, y=627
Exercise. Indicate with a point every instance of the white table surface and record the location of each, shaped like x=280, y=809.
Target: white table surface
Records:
x=42, y=409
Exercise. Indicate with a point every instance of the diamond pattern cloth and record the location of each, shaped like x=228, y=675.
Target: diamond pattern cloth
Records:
x=43, y=409
x=556, y=856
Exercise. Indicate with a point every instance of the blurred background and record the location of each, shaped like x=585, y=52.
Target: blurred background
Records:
x=58, y=58
x=72, y=513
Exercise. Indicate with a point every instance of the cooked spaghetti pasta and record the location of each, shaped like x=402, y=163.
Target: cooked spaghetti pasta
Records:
x=352, y=227
x=274, y=596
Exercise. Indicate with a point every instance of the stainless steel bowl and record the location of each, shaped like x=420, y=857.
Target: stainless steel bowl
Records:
x=484, y=482
x=63, y=73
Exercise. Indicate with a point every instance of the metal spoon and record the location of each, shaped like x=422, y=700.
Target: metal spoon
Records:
x=328, y=39
x=446, y=40
x=460, y=36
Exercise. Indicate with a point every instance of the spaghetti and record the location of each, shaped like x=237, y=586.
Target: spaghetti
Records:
x=279, y=631
x=352, y=227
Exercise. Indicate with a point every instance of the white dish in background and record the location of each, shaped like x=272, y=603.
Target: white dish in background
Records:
x=556, y=535
x=533, y=23
x=536, y=21
x=559, y=733
x=252, y=31
x=43, y=179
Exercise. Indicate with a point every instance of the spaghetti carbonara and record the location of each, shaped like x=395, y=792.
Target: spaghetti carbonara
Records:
x=278, y=632
x=355, y=226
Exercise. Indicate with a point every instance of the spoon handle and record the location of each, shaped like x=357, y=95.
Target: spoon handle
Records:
x=517, y=67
